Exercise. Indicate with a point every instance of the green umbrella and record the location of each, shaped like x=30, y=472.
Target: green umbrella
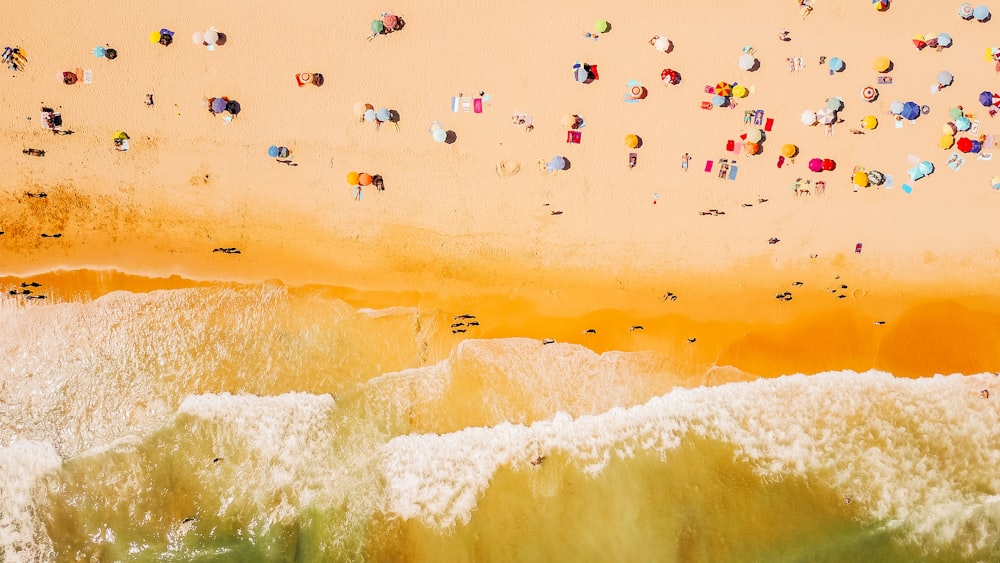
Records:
x=601, y=26
x=955, y=113
x=377, y=26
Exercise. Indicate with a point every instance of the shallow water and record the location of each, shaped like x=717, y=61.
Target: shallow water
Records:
x=358, y=435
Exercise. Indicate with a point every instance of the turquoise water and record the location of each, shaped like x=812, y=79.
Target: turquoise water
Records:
x=255, y=424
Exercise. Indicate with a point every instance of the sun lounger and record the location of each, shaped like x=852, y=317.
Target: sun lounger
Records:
x=477, y=105
x=758, y=117
x=733, y=169
x=899, y=123
x=633, y=159
x=768, y=124
x=708, y=165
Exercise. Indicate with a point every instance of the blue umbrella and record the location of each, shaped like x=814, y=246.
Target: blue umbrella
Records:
x=896, y=108
x=382, y=114
x=272, y=151
x=981, y=13
x=836, y=64
x=986, y=98
x=718, y=100
x=910, y=111
x=582, y=75
x=557, y=163
x=963, y=123
x=945, y=78
x=926, y=167
x=439, y=135
x=218, y=105
x=944, y=40
x=369, y=115
x=99, y=52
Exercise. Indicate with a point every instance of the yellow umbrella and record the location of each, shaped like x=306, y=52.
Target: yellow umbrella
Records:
x=119, y=136
x=882, y=64
x=353, y=178
x=789, y=150
x=740, y=91
x=869, y=122
x=946, y=141
x=154, y=36
x=861, y=179
x=631, y=141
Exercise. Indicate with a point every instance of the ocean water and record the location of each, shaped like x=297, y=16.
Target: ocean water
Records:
x=255, y=423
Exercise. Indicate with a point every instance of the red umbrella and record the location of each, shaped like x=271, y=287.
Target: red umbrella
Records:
x=828, y=164
x=816, y=165
x=964, y=144
x=390, y=21
x=669, y=75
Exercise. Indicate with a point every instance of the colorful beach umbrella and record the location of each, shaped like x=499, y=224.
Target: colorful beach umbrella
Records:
x=946, y=141
x=981, y=13
x=601, y=26
x=964, y=144
x=724, y=89
x=919, y=42
x=836, y=64
x=869, y=93
x=861, y=179
x=581, y=74
x=718, y=101
x=740, y=91
x=377, y=27
x=154, y=36
x=949, y=128
x=829, y=165
x=99, y=51
x=570, y=121
x=965, y=11
x=218, y=105
x=365, y=179
x=670, y=76
x=880, y=5
x=631, y=141
x=869, y=122
x=910, y=111
x=751, y=148
x=876, y=178
x=390, y=21
x=809, y=117
x=882, y=64
x=927, y=167
x=956, y=112
x=746, y=62
x=988, y=98
x=945, y=78
x=754, y=135
x=896, y=108
x=789, y=150
x=816, y=165
x=198, y=38
x=352, y=177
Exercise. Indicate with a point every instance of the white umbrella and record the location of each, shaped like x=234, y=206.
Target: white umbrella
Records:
x=662, y=44
x=198, y=38
x=809, y=117
x=211, y=36
x=826, y=116
x=747, y=61
x=754, y=135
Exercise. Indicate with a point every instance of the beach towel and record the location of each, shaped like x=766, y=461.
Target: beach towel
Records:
x=907, y=188
x=985, y=156
x=628, y=96
x=454, y=104
x=732, y=172
x=974, y=128
x=708, y=165
x=913, y=159
x=706, y=105
x=88, y=76
x=738, y=148
x=573, y=137
x=889, y=181
x=899, y=124
x=758, y=117
x=730, y=145
x=466, y=104
x=768, y=124
x=884, y=80
x=781, y=161
x=955, y=161
x=709, y=89
x=477, y=105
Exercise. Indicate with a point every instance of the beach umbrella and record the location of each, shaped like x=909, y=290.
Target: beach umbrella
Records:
x=880, y=5
x=945, y=78
x=369, y=115
x=919, y=42
x=218, y=105
x=661, y=44
x=746, y=61
x=963, y=123
x=631, y=141
x=382, y=114
x=826, y=116
x=869, y=93
x=882, y=64
x=809, y=117
x=198, y=38
x=352, y=178
x=944, y=40
x=876, y=178
x=569, y=120
x=390, y=21
x=755, y=135
x=816, y=165
x=233, y=107
x=981, y=13
x=976, y=146
x=834, y=104
x=119, y=136
x=99, y=51
x=946, y=141
x=211, y=36
x=272, y=151
x=557, y=163
x=926, y=167
x=724, y=89
x=789, y=150
x=154, y=36
x=670, y=76
x=964, y=144
x=581, y=74
x=869, y=122
x=915, y=173
x=896, y=108
x=910, y=111
x=718, y=100
x=949, y=128
x=965, y=11
x=439, y=135
x=988, y=98
x=601, y=26
x=751, y=148
x=365, y=179
x=861, y=179
x=956, y=112
x=829, y=165
x=377, y=27
x=836, y=64
x=740, y=91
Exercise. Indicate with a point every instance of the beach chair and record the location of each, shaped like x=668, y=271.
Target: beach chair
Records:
x=890, y=181
x=883, y=80
x=88, y=77
x=768, y=124
x=912, y=159
x=758, y=117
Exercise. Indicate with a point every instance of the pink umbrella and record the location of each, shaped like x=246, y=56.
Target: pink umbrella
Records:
x=816, y=165
x=390, y=21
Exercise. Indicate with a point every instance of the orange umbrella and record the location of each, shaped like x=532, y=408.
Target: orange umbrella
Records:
x=724, y=89
x=631, y=141
x=789, y=150
x=882, y=64
x=365, y=179
x=352, y=178
x=751, y=148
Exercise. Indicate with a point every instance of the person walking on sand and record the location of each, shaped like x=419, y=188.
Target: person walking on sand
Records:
x=684, y=161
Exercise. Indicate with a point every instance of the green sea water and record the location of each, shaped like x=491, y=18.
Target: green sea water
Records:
x=252, y=423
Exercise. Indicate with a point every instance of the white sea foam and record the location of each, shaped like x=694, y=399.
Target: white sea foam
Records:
x=921, y=452
x=22, y=535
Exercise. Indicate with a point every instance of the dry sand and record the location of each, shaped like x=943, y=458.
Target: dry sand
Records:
x=448, y=232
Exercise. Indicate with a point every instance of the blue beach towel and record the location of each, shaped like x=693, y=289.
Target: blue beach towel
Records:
x=907, y=188
x=732, y=172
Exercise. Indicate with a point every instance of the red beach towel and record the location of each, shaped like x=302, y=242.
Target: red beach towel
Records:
x=768, y=124
x=477, y=105
x=708, y=165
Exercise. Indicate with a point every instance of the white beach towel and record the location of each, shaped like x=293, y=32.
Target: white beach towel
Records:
x=88, y=76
